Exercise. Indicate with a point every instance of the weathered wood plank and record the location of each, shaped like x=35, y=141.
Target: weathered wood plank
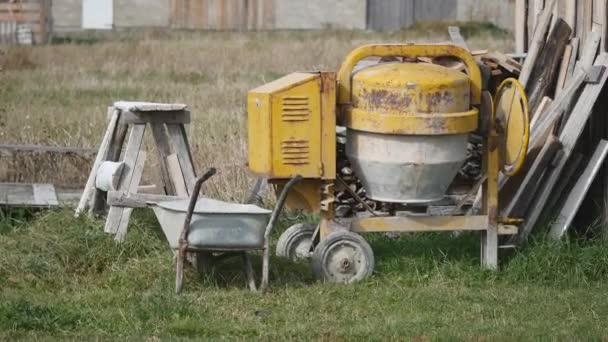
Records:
x=577, y=194
x=90, y=190
x=563, y=69
x=28, y=195
x=132, y=153
x=175, y=172
x=163, y=148
x=177, y=134
x=515, y=207
x=126, y=213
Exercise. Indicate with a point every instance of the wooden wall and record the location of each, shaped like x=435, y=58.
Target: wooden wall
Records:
x=583, y=16
x=222, y=14
x=33, y=13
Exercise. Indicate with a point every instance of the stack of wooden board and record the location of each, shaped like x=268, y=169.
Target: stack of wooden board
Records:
x=564, y=76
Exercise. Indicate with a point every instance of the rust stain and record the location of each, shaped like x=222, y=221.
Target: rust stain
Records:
x=438, y=99
x=387, y=100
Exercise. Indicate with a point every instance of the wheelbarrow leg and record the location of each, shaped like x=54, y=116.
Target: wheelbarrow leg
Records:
x=179, y=270
x=265, y=269
x=249, y=271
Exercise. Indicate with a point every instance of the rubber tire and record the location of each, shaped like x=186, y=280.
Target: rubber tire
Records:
x=320, y=254
x=289, y=240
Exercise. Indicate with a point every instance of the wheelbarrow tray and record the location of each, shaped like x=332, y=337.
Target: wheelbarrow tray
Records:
x=216, y=225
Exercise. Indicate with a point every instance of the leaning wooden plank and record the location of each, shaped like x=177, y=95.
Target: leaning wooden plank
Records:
x=542, y=109
x=537, y=42
x=89, y=189
x=516, y=205
x=177, y=134
x=520, y=26
x=563, y=70
x=131, y=200
x=126, y=213
x=566, y=178
x=130, y=159
x=175, y=172
x=575, y=43
x=456, y=37
x=577, y=195
x=545, y=70
x=163, y=148
x=566, y=9
x=600, y=17
x=571, y=133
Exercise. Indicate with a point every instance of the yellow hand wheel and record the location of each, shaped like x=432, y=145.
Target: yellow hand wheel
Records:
x=513, y=125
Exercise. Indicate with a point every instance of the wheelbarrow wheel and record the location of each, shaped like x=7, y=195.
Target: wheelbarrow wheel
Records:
x=342, y=257
x=295, y=242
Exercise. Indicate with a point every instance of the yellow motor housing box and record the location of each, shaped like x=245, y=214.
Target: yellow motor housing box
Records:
x=292, y=127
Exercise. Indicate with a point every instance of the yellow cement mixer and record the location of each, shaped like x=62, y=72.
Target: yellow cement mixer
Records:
x=384, y=141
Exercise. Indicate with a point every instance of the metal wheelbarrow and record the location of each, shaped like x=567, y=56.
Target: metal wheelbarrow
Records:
x=216, y=226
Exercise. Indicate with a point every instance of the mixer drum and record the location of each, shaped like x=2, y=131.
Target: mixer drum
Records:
x=407, y=130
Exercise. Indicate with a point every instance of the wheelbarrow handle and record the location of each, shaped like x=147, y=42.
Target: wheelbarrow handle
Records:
x=280, y=203
x=193, y=198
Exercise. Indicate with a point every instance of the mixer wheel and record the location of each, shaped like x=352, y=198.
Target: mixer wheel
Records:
x=295, y=242
x=342, y=257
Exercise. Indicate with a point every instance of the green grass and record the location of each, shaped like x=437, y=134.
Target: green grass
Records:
x=62, y=277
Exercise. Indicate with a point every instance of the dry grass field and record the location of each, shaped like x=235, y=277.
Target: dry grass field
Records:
x=63, y=278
